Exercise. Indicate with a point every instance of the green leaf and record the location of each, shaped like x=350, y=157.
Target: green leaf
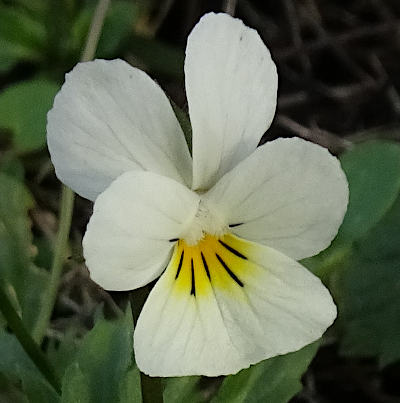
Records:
x=75, y=388
x=15, y=202
x=275, y=380
x=373, y=172
x=159, y=57
x=15, y=233
x=62, y=352
x=37, y=389
x=13, y=357
x=367, y=291
x=35, y=8
x=12, y=166
x=15, y=365
x=21, y=37
x=23, y=110
x=183, y=389
x=25, y=280
x=9, y=392
x=117, y=26
x=106, y=356
x=130, y=387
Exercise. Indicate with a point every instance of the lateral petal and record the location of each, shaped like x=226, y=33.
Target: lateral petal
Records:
x=290, y=194
x=231, y=85
x=131, y=233
x=109, y=118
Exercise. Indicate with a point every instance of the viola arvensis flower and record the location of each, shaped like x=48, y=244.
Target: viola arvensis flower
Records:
x=223, y=230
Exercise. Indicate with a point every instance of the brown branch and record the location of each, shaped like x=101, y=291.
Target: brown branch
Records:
x=295, y=31
x=324, y=138
x=351, y=35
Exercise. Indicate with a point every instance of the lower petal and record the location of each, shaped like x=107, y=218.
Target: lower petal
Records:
x=225, y=304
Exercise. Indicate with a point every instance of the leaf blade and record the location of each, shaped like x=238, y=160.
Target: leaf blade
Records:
x=274, y=381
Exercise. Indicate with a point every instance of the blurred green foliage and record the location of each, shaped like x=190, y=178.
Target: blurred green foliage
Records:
x=183, y=389
x=274, y=380
x=22, y=36
x=23, y=109
x=51, y=34
x=373, y=173
x=103, y=367
x=362, y=265
x=25, y=282
x=368, y=290
x=18, y=369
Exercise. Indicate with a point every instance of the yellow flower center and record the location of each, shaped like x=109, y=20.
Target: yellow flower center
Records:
x=215, y=261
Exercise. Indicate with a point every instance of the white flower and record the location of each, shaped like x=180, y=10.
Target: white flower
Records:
x=224, y=229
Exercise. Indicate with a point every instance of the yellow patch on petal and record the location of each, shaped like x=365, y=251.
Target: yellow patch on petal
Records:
x=220, y=262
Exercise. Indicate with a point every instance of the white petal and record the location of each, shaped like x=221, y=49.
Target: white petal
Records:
x=231, y=85
x=128, y=239
x=267, y=305
x=290, y=194
x=109, y=118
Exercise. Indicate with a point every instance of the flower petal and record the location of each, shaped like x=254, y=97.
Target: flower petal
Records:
x=130, y=234
x=290, y=194
x=231, y=85
x=225, y=304
x=109, y=118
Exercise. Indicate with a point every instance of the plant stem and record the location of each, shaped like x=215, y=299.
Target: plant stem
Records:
x=28, y=344
x=67, y=197
x=229, y=7
x=60, y=252
x=96, y=26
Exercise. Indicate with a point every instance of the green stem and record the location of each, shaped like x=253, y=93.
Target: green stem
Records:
x=28, y=344
x=67, y=198
x=96, y=26
x=152, y=388
x=60, y=254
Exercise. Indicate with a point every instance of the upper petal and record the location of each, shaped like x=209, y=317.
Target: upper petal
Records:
x=108, y=118
x=231, y=85
x=132, y=230
x=226, y=304
x=290, y=194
